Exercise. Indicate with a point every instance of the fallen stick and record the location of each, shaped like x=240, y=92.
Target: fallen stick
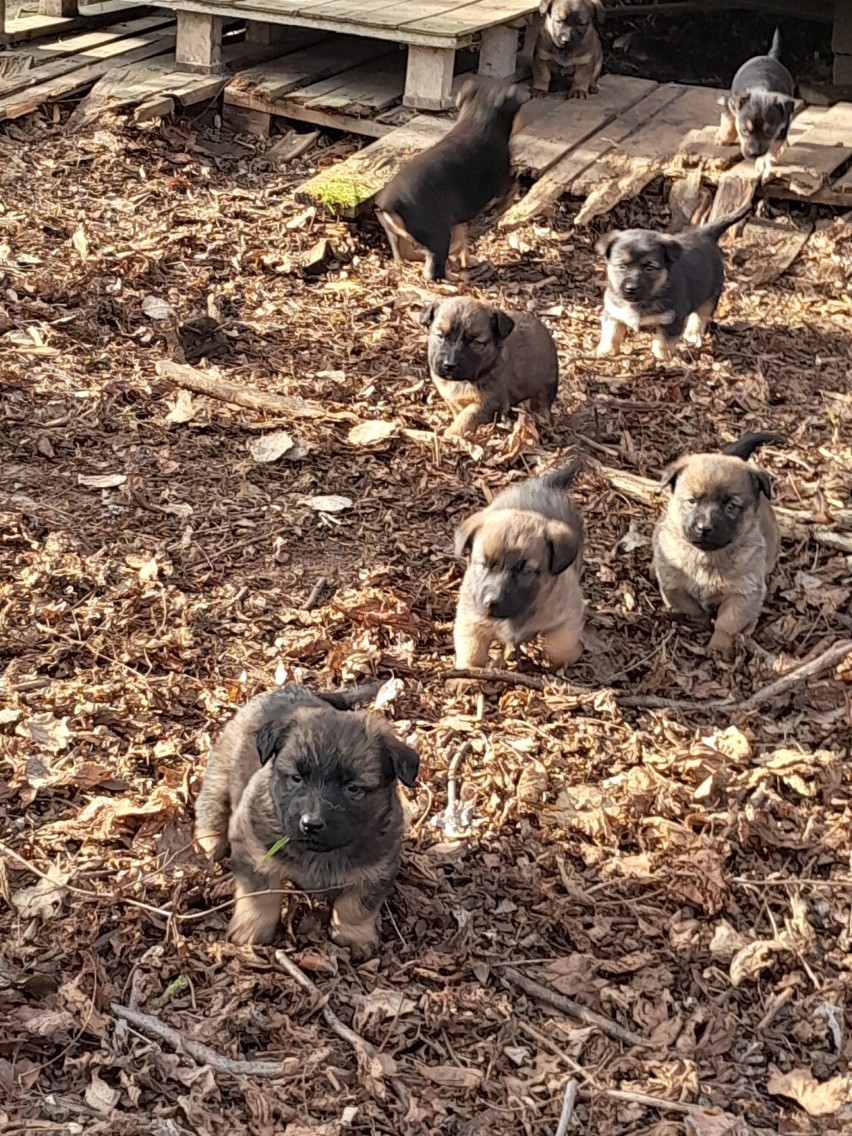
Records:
x=648, y=492
x=194, y=1049
x=331, y=1019
x=575, y=1009
x=828, y=658
x=567, y=1108
x=202, y=382
x=511, y=677
x=316, y=591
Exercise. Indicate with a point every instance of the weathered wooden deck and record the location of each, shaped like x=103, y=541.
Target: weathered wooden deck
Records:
x=611, y=146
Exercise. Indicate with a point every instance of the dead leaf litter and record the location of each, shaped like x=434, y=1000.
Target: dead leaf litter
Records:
x=675, y=879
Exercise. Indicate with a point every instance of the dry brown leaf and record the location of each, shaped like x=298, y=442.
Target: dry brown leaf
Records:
x=327, y=503
x=182, y=407
x=101, y=1096
x=270, y=447
x=80, y=242
x=750, y=960
x=817, y=1098
x=371, y=432
x=101, y=480
x=49, y=732
x=44, y=899
x=45, y=1023
x=707, y=1123
x=451, y=1076
x=378, y=1005
x=726, y=941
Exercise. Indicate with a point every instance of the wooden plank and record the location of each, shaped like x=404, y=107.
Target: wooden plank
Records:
x=270, y=82
x=817, y=152
x=429, y=77
x=370, y=88
x=644, y=153
x=87, y=42
x=581, y=161
x=271, y=11
x=472, y=16
x=14, y=106
x=347, y=189
x=366, y=127
x=378, y=13
x=109, y=50
x=553, y=126
x=25, y=28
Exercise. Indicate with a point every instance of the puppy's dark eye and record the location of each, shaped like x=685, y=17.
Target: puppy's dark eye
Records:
x=692, y=500
x=355, y=792
x=650, y=266
x=296, y=779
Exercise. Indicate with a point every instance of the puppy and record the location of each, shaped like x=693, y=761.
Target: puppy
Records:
x=568, y=45
x=759, y=108
x=523, y=574
x=432, y=198
x=303, y=771
x=667, y=284
x=718, y=540
x=484, y=361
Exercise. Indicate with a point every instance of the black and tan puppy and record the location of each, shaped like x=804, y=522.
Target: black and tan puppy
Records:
x=718, y=540
x=431, y=199
x=484, y=361
x=303, y=774
x=523, y=575
x=667, y=284
x=568, y=47
x=759, y=108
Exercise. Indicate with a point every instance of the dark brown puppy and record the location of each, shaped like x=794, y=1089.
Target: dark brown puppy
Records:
x=718, y=540
x=523, y=574
x=568, y=47
x=484, y=361
x=432, y=198
x=301, y=773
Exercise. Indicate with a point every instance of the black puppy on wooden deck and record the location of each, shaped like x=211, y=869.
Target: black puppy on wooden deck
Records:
x=432, y=198
x=758, y=110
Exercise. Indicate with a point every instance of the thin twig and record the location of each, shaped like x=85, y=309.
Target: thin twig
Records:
x=575, y=1009
x=567, y=1108
x=829, y=658
x=331, y=1019
x=316, y=591
x=453, y=777
x=511, y=677
x=194, y=1049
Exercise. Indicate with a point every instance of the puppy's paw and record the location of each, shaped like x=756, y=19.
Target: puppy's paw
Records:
x=213, y=845
x=722, y=644
x=764, y=166
x=661, y=350
x=579, y=92
x=244, y=930
x=459, y=686
x=362, y=939
x=538, y=92
x=693, y=338
x=605, y=348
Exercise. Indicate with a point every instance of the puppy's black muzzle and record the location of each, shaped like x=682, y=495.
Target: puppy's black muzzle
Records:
x=707, y=535
x=504, y=598
x=754, y=148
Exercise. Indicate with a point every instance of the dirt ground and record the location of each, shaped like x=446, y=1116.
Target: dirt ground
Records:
x=683, y=871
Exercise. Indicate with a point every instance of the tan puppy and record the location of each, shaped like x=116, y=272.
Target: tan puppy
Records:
x=304, y=791
x=718, y=540
x=523, y=574
x=568, y=47
x=484, y=361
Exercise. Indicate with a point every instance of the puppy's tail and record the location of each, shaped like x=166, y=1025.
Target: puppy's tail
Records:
x=775, y=47
x=748, y=443
x=716, y=228
x=564, y=477
x=347, y=699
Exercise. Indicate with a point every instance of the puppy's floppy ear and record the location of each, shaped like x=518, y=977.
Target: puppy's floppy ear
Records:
x=672, y=250
x=672, y=472
x=598, y=13
x=465, y=533
x=404, y=760
x=739, y=102
x=466, y=92
x=563, y=543
x=762, y=483
x=603, y=245
x=502, y=324
x=544, y=7
x=427, y=315
x=269, y=739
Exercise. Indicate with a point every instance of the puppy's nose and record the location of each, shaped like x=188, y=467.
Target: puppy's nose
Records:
x=630, y=291
x=449, y=366
x=309, y=823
